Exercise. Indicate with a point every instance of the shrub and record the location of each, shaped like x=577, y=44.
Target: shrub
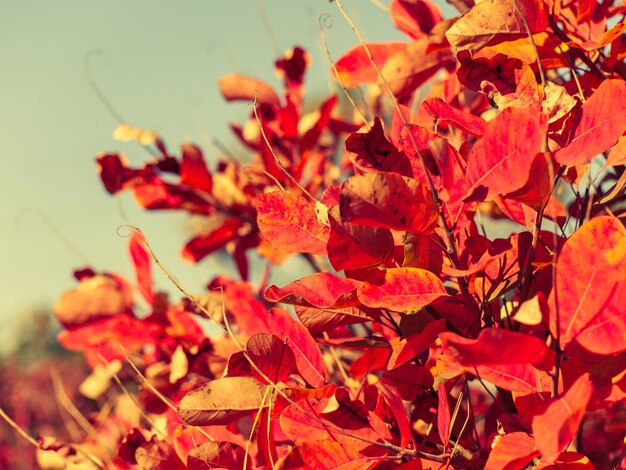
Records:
x=424, y=337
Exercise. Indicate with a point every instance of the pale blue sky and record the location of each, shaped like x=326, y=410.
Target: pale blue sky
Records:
x=163, y=60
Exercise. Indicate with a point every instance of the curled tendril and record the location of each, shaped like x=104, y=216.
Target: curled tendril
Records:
x=130, y=228
x=326, y=21
x=94, y=84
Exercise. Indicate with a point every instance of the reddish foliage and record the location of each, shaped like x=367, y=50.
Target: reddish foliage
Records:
x=512, y=347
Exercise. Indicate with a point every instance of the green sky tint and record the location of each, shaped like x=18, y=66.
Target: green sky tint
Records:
x=159, y=66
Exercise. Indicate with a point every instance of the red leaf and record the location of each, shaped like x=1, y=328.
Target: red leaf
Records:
x=522, y=378
x=273, y=356
x=311, y=137
x=493, y=21
x=410, y=67
x=410, y=380
x=241, y=88
x=590, y=264
x=500, y=162
x=558, y=424
x=605, y=333
x=317, y=320
x=193, y=170
x=414, y=17
x=497, y=346
x=442, y=111
x=344, y=413
x=353, y=246
x=395, y=404
x=142, y=264
x=203, y=245
x=402, y=290
x=599, y=124
x=321, y=290
x=94, y=298
x=369, y=150
x=505, y=81
x=217, y=455
x=223, y=401
x=388, y=200
x=355, y=68
x=289, y=222
x=109, y=334
x=326, y=454
x=443, y=414
x=511, y=452
x=309, y=360
x=415, y=344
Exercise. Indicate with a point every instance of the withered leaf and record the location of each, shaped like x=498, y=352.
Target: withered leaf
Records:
x=222, y=401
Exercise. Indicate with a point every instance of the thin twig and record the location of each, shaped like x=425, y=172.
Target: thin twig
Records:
x=20, y=430
x=324, y=24
x=276, y=159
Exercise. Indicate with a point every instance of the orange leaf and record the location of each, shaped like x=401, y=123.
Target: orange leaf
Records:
x=590, y=264
x=501, y=161
x=193, y=170
x=222, y=401
x=409, y=68
x=598, y=126
x=496, y=346
x=141, y=262
x=511, y=452
x=388, y=200
x=238, y=87
x=402, y=290
x=289, y=222
x=414, y=17
x=355, y=68
x=558, y=424
x=493, y=21
x=321, y=290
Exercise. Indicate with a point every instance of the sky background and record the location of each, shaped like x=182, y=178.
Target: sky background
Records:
x=159, y=63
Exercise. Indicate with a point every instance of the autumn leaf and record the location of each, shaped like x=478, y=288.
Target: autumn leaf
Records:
x=388, y=200
x=369, y=150
x=193, y=170
x=289, y=222
x=605, y=333
x=236, y=87
x=317, y=320
x=308, y=358
x=493, y=21
x=504, y=80
x=443, y=414
x=511, y=452
x=352, y=246
x=354, y=67
x=273, y=356
x=590, y=264
x=321, y=290
x=598, y=125
x=409, y=68
x=500, y=161
x=94, y=298
x=223, y=401
x=558, y=423
x=442, y=111
x=497, y=346
x=415, y=344
x=203, y=245
x=142, y=264
x=402, y=290
x=414, y=17
x=217, y=455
